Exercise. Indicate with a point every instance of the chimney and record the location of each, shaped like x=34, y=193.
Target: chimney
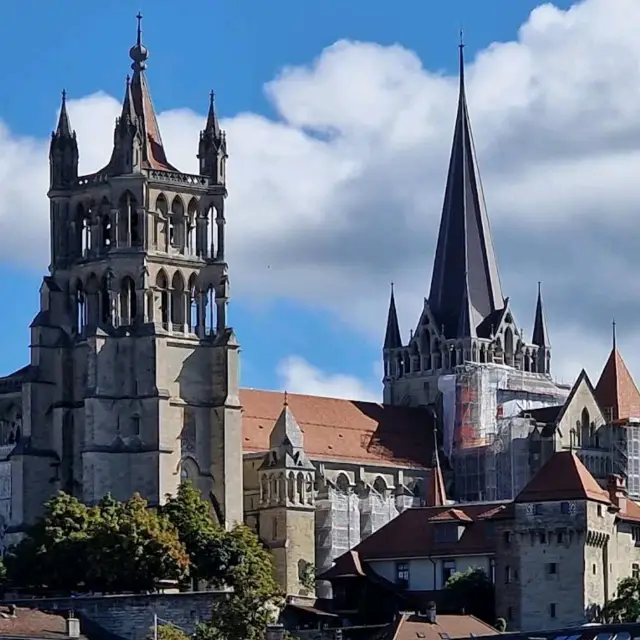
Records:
x=431, y=612
x=275, y=632
x=73, y=627
x=617, y=491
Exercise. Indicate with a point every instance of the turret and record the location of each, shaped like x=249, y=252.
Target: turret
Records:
x=63, y=151
x=212, y=150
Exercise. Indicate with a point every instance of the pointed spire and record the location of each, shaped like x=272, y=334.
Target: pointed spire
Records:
x=392, y=338
x=137, y=108
x=613, y=334
x=540, y=334
x=63, y=130
x=213, y=126
x=465, y=266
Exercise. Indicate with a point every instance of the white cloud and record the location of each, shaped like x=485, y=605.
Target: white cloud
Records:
x=296, y=375
x=343, y=193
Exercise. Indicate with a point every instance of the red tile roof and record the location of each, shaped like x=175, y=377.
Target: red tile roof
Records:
x=336, y=429
x=563, y=477
x=616, y=389
x=436, y=495
x=410, y=627
x=31, y=623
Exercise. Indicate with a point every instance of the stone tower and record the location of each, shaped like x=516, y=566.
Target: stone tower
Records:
x=133, y=380
x=466, y=318
x=287, y=506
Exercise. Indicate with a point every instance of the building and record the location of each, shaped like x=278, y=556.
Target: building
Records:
x=555, y=554
x=133, y=380
x=31, y=624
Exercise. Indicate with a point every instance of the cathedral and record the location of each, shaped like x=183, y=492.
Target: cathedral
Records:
x=133, y=379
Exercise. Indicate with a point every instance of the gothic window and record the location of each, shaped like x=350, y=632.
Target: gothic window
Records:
x=192, y=302
x=211, y=231
x=192, y=216
x=508, y=346
x=128, y=306
x=105, y=301
x=291, y=488
x=178, y=300
x=128, y=220
x=83, y=231
x=264, y=489
x=380, y=487
x=483, y=354
x=92, y=302
x=80, y=308
x=585, y=427
x=162, y=285
x=342, y=483
x=300, y=487
x=309, y=489
x=210, y=320
x=177, y=224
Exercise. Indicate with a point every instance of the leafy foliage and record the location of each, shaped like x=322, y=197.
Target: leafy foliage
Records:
x=112, y=546
x=501, y=625
x=625, y=607
x=167, y=632
x=308, y=576
x=473, y=592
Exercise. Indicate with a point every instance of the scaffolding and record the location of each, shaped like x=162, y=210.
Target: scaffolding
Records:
x=486, y=429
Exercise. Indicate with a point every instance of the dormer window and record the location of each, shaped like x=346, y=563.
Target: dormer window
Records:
x=446, y=532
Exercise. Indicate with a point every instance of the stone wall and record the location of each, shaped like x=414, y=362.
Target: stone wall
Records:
x=131, y=616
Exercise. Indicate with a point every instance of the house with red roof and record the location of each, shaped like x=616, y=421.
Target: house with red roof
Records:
x=555, y=554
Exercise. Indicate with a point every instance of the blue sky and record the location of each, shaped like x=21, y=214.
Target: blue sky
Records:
x=235, y=47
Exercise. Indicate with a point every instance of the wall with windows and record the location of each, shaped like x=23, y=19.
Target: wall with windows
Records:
x=429, y=574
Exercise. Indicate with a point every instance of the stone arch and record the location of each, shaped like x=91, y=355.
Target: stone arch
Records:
x=264, y=489
x=291, y=487
x=380, y=486
x=79, y=306
x=585, y=426
x=128, y=301
x=342, y=483
x=309, y=488
x=192, y=301
x=192, y=222
x=162, y=206
x=189, y=470
x=509, y=346
x=177, y=223
x=92, y=297
x=483, y=354
x=300, y=487
x=162, y=285
x=106, y=224
x=128, y=220
x=178, y=303
x=415, y=357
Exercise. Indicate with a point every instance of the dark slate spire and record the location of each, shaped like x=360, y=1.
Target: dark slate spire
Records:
x=213, y=126
x=392, y=339
x=540, y=334
x=465, y=266
x=63, y=130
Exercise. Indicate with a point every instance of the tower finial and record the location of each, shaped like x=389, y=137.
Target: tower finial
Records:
x=613, y=332
x=286, y=399
x=139, y=31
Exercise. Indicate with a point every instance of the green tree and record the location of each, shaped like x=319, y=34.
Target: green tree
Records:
x=192, y=518
x=167, y=632
x=255, y=600
x=133, y=547
x=53, y=553
x=625, y=607
x=473, y=592
x=3, y=573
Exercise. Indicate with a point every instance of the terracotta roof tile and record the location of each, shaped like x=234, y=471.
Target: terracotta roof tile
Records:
x=336, y=429
x=454, y=515
x=347, y=565
x=410, y=627
x=563, y=477
x=31, y=623
x=616, y=389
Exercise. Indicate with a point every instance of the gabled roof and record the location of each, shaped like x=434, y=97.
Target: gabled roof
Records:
x=563, y=477
x=336, y=429
x=616, y=389
x=465, y=284
x=409, y=626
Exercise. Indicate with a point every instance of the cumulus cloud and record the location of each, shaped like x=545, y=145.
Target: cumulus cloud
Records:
x=298, y=376
x=342, y=192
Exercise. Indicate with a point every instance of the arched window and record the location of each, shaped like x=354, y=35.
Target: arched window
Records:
x=178, y=301
x=128, y=225
x=177, y=224
x=81, y=309
x=210, y=314
x=128, y=302
x=92, y=300
x=585, y=429
x=291, y=487
x=162, y=285
x=192, y=218
x=342, y=483
x=508, y=346
x=193, y=303
x=105, y=300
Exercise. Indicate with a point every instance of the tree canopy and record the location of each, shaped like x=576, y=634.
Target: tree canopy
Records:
x=625, y=607
x=471, y=591
x=127, y=546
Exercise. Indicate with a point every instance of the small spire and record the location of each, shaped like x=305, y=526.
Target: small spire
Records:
x=63, y=130
x=613, y=333
x=461, y=62
x=139, y=34
x=436, y=495
x=213, y=126
x=286, y=399
x=540, y=335
x=392, y=338
x=139, y=53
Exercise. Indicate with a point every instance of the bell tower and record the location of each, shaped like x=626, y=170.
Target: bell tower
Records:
x=134, y=365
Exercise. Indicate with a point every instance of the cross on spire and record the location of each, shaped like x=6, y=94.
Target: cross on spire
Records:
x=139, y=31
